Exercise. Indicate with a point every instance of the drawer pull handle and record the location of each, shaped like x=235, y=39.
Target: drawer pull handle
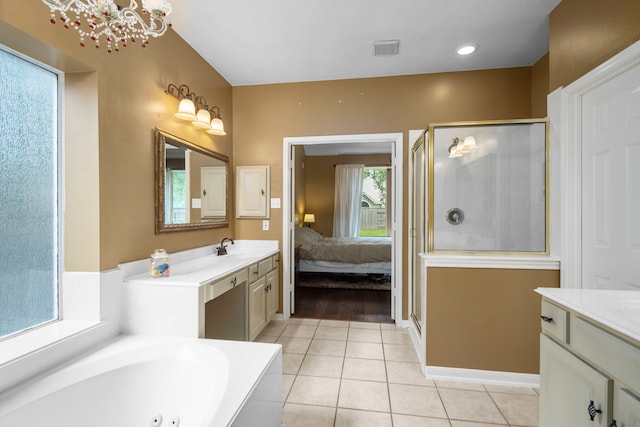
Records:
x=547, y=319
x=234, y=281
x=255, y=272
x=613, y=424
x=593, y=411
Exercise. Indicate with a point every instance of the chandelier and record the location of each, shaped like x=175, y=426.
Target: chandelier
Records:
x=117, y=25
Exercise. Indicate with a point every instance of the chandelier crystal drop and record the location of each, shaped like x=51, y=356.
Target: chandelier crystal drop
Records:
x=106, y=20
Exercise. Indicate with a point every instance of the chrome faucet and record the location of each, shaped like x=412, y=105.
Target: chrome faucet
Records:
x=222, y=249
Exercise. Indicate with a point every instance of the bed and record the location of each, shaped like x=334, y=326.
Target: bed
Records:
x=316, y=253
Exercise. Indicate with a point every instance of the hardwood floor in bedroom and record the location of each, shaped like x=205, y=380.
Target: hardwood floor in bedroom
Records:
x=363, y=305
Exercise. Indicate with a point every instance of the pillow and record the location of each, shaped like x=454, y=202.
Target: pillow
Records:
x=305, y=236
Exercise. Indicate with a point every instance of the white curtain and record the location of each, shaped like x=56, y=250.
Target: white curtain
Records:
x=348, y=199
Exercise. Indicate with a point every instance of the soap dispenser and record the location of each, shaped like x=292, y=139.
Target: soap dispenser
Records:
x=160, y=263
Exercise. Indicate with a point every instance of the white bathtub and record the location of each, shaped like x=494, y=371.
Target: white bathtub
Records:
x=155, y=381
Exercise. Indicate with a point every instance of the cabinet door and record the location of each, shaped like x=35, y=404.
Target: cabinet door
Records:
x=567, y=388
x=257, y=303
x=252, y=191
x=272, y=294
x=626, y=408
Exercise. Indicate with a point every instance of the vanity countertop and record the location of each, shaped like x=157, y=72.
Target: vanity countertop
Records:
x=207, y=267
x=618, y=310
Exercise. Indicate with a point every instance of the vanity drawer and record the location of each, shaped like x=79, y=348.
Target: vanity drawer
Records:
x=219, y=287
x=253, y=273
x=265, y=266
x=554, y=321
x=617, y=356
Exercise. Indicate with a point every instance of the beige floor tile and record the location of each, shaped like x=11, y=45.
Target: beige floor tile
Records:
x=287, y=382
x=327, y=347
x=365, y=335
x=302, y=321
x=332, y=333
x=388, y=326
x=291, y=363
x=294, y=345
x=460, y=385
x=364, y=325
x=299, y=331
x=334, y=323
x=364, y=369
x=295, y=415
x=470, y=405
x=314, y=391
x=400, y=353
x=365, y=395
x=364, y=350
x=510, y=389
x=356, y=418
x=266, y=338
x=321, y=366
x=407, y=373
x=459, y=423
x=396, y=336
x=518, y=409
x=275, y=328
x=416, y=400
x=400, y=420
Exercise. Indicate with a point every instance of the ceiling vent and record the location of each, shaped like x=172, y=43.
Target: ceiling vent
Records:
x=385, y=47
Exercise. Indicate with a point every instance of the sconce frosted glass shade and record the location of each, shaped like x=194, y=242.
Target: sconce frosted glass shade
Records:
x=309, y=218
x=217, y=127
x=203, y=119
x=469, y=141
x=186, y=110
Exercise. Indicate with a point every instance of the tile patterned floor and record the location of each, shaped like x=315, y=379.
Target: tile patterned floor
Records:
x=351, y=374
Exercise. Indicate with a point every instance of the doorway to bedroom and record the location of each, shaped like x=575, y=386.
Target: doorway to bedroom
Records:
x=342, y=238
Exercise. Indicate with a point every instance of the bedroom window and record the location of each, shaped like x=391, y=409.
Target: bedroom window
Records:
x=373, y=211
x=29, y=227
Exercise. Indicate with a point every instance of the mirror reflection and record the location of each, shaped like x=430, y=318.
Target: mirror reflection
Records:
x=191, y=185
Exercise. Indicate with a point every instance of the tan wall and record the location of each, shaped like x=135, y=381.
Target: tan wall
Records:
x=484, y=318
x=585, y=33
x=265, y=114
x=320, y=174
x=540, y=87
x=131, y=102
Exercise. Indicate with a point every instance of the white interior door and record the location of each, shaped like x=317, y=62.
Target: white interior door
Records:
x=611, y=184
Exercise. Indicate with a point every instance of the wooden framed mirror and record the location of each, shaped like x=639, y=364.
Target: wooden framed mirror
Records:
x=192, y=185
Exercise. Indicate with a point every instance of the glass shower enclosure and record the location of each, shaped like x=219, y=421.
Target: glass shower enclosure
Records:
x=488, y=187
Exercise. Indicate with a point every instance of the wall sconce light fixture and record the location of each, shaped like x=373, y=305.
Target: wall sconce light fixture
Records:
x=116, y=24
x=194, y=108
x=309, y=219
x=459, y=147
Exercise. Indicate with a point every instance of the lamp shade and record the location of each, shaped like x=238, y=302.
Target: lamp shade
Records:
x=203, y=119
x=186, y=110
x=217, y=127
x=309, y=218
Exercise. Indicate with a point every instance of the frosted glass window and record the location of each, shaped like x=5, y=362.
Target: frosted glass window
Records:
x=489, y=188
x=28, y=195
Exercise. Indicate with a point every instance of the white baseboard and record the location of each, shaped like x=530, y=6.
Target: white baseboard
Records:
x=480, y=376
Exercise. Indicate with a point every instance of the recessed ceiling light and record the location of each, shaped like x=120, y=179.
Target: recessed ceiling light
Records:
x=467, y=49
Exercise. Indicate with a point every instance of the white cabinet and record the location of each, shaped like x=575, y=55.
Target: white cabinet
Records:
x=272, y=302
x=252, y=191
x=257, y=306
x=263, y=294
x=589, y=375
x=570, y=386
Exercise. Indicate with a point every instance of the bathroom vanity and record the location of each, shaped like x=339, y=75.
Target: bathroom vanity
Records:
x=589, y=358
x=231, y=296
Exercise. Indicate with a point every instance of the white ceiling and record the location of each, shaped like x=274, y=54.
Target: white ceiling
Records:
x=254, y=42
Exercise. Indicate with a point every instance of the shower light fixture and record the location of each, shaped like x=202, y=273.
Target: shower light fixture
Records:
x=459, y=147
x=195, y=109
